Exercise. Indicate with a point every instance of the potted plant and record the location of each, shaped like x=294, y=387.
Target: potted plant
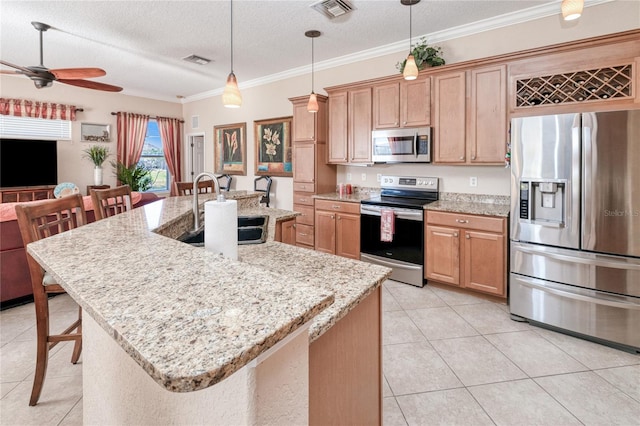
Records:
x=98, y=155
x=137, y=176
x=424, y=55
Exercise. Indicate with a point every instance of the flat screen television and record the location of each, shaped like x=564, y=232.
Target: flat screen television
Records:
x=28, y=163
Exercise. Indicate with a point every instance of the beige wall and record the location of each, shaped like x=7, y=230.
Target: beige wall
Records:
x=72, y=167
x=270, y=100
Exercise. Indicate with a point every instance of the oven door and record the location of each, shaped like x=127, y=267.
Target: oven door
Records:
x=404, y=253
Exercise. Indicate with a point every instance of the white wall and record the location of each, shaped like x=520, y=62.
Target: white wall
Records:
x=97, y=105
x=270, y=100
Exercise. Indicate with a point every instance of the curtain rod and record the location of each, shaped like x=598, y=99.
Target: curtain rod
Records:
x=151, y=116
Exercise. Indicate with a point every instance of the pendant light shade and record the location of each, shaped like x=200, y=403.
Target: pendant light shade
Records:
x=410, y=71
x=231, y=97
x=572, y=9
x=312, y=106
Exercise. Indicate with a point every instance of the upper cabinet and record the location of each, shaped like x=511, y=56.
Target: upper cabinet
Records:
x=350, y=125
x=402, y=104
x=307, y=126
x=470, y=116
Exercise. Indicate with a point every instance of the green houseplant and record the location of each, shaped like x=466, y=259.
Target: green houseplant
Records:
x=137, y=176
x=98, y=155
x=424, y=55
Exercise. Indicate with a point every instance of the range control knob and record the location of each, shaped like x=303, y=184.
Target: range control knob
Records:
x=419, y=182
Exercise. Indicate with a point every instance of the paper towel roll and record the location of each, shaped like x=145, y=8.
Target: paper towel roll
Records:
x=221, y=227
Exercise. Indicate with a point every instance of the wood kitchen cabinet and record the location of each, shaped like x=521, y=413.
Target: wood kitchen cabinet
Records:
x=470, y=116
x=402, y=104
x=311, y=173
x=337, y=228
x=350, y=125
x=468, y=251
x=286, y=232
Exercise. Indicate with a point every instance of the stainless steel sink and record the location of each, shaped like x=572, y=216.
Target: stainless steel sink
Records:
x=251, y=230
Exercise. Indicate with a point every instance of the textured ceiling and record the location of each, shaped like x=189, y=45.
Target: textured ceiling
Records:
x=140, y=43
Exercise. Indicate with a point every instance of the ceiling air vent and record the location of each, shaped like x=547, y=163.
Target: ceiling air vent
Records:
x=332, y=8
x=197, y=59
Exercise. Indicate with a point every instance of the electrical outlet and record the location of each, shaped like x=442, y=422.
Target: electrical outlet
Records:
x=473, y=181
x=348, y=176
x=379, y=177
x=364, y=176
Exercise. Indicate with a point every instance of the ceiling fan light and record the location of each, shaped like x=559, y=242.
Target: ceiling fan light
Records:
x=410, y=68
x=231, y=97
x=572, y=9
x=312, y=106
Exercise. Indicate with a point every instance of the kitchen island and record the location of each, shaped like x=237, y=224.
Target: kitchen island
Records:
x=158, y=310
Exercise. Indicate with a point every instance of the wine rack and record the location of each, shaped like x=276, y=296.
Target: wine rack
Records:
x=579, y=86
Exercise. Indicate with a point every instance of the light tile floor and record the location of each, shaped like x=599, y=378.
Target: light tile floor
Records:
x=450, y=358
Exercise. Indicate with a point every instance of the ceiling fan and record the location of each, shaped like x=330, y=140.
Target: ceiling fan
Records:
x=44, y=77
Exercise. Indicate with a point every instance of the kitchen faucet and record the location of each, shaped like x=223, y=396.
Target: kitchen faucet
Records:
x=196, y=209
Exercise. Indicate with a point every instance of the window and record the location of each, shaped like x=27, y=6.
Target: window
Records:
x=35, y=128
x=153, y=158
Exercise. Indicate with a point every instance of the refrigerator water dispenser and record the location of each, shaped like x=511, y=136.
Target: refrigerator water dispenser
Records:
x=544, y=202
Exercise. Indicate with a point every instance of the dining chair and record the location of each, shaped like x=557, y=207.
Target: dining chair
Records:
x=263, y=184
x=204, y=186
x=40, y=220
x=225, y=182
x=110, y=202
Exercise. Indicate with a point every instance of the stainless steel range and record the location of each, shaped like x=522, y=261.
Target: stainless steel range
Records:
x=403, y=198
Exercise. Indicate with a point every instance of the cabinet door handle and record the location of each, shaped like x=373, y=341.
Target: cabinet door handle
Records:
x=462, y=221
x=303, y=234
x=455, y=234
x=336, y=207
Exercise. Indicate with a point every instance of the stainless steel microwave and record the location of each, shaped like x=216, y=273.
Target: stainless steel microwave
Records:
x=402, y=145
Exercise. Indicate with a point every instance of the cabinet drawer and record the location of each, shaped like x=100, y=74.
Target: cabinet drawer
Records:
x=303, y=198
x=304, y=187
x=486, y=223
x=338, y=206
x=306, y=216
x=304, y=234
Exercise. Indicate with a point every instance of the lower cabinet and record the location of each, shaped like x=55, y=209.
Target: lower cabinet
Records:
x=466, y=251
x=337, y=228
x=286, y=232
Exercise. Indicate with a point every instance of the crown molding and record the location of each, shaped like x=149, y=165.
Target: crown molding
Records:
x=508, y=19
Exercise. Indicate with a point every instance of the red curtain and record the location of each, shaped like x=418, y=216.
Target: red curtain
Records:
x=171, y=136
x=132, y=129
x=35, y=109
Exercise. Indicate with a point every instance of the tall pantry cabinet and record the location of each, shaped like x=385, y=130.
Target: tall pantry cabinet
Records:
x=311, y=173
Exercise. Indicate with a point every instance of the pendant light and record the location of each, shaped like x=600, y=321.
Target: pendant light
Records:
x=572, y=9
x=312, y=106
x=231, y=97
x=410, y=71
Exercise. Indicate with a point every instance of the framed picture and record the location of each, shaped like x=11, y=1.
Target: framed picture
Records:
x=273, y=147
x=230, y=152
x=91, y=132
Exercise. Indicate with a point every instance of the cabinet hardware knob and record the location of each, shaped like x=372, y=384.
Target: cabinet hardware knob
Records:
x=339, y=217
x=462, y=221
x=455, y=234
x=467, y=237
x=462, y=158
x=303, y=234
x=395, y=124
x=333, y=216
x=294, y=225
x=335, y=207
x=473, y=157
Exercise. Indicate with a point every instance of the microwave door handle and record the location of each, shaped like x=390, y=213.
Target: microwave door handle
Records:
x=415, y=143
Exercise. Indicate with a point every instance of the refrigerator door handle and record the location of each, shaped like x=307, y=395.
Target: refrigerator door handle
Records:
x=597, y=299
x=605, y=263
x=587, y=184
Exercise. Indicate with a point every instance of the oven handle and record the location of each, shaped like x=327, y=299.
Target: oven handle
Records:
x=416, y=216
x=390, y=264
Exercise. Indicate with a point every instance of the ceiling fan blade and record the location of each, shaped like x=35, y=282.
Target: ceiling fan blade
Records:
x=11, y=72
x=76, y=73
x=92, y=85
x=18, y=67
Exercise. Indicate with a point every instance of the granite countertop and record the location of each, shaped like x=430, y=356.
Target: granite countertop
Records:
x=350, y=281
x=188, y=317
x=470, y=207
x=356, y=197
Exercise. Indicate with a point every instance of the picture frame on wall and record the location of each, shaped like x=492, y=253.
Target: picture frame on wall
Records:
x=92, y=132
x=230, y=153
x=274, y=155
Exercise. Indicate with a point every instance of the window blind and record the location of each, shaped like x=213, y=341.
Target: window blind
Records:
x=34, y=128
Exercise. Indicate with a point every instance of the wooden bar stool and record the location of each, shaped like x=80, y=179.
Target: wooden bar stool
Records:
x=37, y=221
x=110, y=202
x=204, y=186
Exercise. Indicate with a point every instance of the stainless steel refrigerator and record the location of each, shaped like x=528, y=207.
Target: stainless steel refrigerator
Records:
x=575, y=224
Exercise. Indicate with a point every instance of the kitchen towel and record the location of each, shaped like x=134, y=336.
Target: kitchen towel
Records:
x=221, y=227
x=387, y=225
